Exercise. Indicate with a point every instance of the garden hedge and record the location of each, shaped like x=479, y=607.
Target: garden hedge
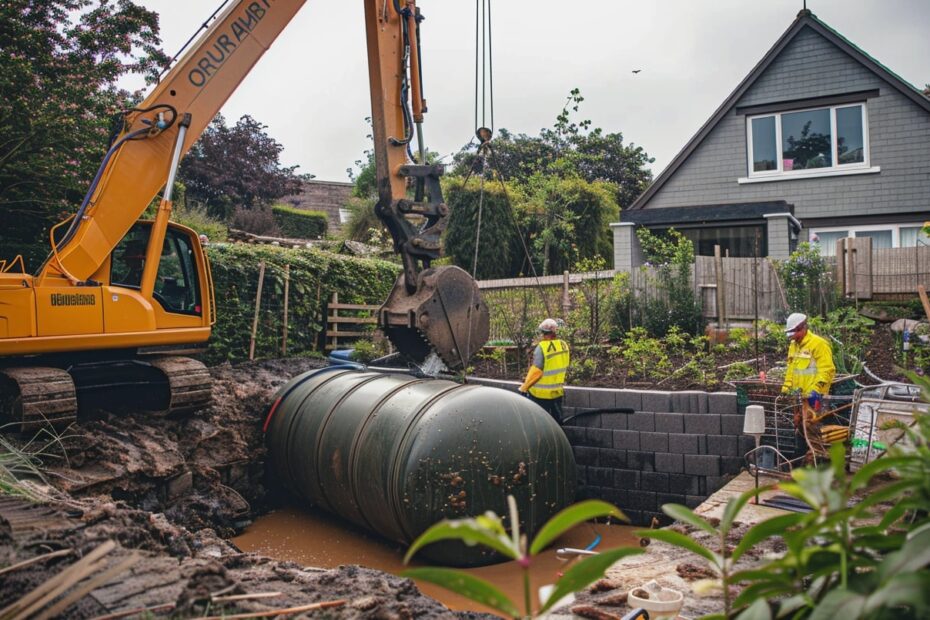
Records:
x=300, y=223
x=314, y=276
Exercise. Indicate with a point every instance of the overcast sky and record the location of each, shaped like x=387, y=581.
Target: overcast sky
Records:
x=311, y=87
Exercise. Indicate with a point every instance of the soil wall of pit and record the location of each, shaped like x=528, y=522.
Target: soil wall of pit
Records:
x=675, y=447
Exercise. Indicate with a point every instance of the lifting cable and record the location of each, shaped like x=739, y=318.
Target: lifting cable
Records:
x=484, y=131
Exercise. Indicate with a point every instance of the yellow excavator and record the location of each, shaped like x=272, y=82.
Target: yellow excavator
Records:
x=120, y=301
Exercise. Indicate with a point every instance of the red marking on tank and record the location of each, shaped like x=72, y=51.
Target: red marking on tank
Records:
x=274, y=407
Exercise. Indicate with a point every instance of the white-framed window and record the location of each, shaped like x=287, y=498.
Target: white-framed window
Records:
x=822, y=141
x=883, y=236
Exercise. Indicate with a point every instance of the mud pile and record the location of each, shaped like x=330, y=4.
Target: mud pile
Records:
x=167, y=492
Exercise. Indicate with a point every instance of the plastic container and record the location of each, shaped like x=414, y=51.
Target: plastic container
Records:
x=396, y=454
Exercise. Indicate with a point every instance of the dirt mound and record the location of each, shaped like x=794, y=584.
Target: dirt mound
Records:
x=167, y=491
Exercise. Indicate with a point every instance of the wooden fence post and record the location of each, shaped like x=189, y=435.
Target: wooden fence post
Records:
x=718, y=278
x=258, y=304
x=566, y=300
x=287, y=286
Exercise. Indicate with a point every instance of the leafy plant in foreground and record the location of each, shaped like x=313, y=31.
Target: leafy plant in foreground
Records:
x=488, y=530
x=856, y=554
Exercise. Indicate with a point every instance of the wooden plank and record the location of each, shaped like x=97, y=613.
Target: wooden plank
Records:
x=922, y=291
x=353, y=334
x=353, y=319
x=371, y=307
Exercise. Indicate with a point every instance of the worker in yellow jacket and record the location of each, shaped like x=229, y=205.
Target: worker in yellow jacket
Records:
x=810, y=362
x=545, y=380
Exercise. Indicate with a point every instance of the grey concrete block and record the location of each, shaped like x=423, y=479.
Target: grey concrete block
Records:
x=626, y=440
x=642, y=461
x=731, y=424
x=632, y=399
x=641, y=500
x=702, y=424
x=626, y=479
x=615, y=459
x=601, y=398
x=722, y=403
x=683, y=484
x=642, y=421
x=670, y=463
x=600, y=476
x=724, y=445
x=599, y=437
x=654, y=481
x=585, y=455
x=669, y=498
x=635, y=516
x=614, y=421
x=575, y=435
x=689, y=401
x=693, y=501
x=683, y=444
x=746, y=443
x=670, y=423
x=702, y=464
x=701, y=444
x=731, y=465
x=715, y=483
x=653, y=442
x=576, y=397
x=581, y=416
x=657, y=401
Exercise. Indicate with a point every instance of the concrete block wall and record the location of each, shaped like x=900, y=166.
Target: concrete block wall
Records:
x=672, y=447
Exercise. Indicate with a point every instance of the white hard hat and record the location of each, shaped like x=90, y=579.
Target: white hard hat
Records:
x=548, y=326
x=794, y=321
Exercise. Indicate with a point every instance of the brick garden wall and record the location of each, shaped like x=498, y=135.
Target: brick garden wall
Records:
x=675, y=447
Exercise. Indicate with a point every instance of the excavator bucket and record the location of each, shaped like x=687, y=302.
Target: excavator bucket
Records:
x=445, y=315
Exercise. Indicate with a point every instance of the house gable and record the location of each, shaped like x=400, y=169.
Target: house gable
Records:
x=809, y=61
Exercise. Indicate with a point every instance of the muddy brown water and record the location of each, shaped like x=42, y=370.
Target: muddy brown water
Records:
x=314, y=538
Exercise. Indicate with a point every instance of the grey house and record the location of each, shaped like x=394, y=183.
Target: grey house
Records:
x=818, y=142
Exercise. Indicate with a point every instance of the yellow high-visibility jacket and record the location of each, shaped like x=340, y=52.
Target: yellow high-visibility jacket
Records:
x=810, y=365
x=554, y=356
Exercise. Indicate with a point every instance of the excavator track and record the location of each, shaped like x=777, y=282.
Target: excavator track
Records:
x=189, y=383
x=36, y=397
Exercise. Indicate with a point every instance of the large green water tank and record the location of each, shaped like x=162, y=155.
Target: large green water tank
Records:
x=396, y=454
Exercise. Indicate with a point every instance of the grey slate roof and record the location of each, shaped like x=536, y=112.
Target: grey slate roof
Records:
x=805, y=19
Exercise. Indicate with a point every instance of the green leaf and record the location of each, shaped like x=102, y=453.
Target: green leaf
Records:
x=570, y=517
x=762, y=590
x=912, y=556
x=839, y=604
x=867, y=471
x=686, y=515
x=735, y=505
x=685, y=542
x=910, y=589
x=466, y=585
x=586, y=572
x=775, y=526
x=759, y=610
x=469, y=531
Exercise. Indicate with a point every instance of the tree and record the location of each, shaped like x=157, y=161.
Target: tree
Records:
x=565, y=219
x=60, y=61
x=236, y=166
x=497, y=246
x=569, y=148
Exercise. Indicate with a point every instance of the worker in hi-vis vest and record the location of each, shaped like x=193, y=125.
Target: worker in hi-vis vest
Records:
x=545, y=380
x=810, y=362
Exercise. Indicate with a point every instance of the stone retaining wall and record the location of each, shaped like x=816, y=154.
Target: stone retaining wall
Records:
x=669, y=447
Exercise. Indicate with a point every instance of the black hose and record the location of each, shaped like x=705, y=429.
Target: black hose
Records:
x=626, y=410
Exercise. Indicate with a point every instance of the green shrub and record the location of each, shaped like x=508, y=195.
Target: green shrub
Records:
x=314, y=277
x=196, y=217
x=299, y=223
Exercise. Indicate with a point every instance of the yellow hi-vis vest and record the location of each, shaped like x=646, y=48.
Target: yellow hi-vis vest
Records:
x=555, y=363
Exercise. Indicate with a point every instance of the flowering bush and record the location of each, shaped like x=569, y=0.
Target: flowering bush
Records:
x=808, y=285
